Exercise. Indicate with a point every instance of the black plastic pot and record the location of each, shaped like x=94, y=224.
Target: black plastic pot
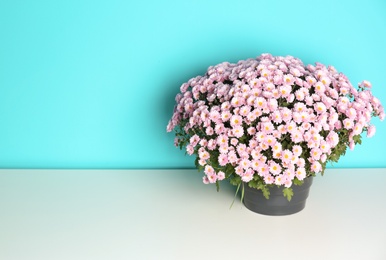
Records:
x=277, y=204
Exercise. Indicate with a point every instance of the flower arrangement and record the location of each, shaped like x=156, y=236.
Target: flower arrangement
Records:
x=271, y=120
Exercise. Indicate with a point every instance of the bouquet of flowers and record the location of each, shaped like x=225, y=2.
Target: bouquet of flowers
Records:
x=271, y=120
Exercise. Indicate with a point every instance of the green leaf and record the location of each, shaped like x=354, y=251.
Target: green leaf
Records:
x=252, y=184
x=235, y=181
x=237, y=191
x=266, y=192
x=242, y=194
x=297, y=182
x=288, y=193
x=357, y=139
x=261, y=186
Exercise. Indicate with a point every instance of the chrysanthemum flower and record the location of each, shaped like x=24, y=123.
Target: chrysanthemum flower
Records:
x=271, y=118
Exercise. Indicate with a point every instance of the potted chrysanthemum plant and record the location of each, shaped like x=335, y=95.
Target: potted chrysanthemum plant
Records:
x=270, y=124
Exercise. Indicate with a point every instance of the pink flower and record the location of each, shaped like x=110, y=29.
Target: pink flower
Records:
x=274, y=168
x=212, y=178
x=287, y=183
x=247, y=176
x=222, y=140
x=211, y=144
x=325, y=80
x=209, y=131
x=296, y=136
x=194, y=140
x=300, y=173
x=371, y=131
x=297, y=150
x=267, y=127
x=268, y=179
x=289, y=173
x=225, y=106
x=310, y=80
x=209, y=170
x=244, y=110
x=252, y=143
x=260, y=103
x=316, y=153
x=237, y=101
x=251, y=131
x=245, y=163
x=301, y=162
x=257, y=112
x=348, y=123
x=236, y=120
x=203, y=142
x=241, y=148
x=332, y=139
x=277, y=147
x=215, y=116
x=319, y=87
x=234, y=141
x=222, y=159
x=351, y=145
x=291, y=126
x=357, y=129
x=225, y=116
x=220, y=175
x=291, y=98
x=286, y=114
x=297, y=118
x=300, y=107
x=285, y=90
x=255, y=164
x=238, y=131
x=351, y=113
x=232, y=157
x=279, y=180
x=316, y=167
x=365, y=84
x=270, y=140
x=263, y=170
x=219, y=129
x=320, y=107
x=204, y=155
x=224, y=149
x=288, y=79
x=189, y=149
x=286, y=155
x=309, y=100
x=299, y=94
x=324, y=147
x=239, y=170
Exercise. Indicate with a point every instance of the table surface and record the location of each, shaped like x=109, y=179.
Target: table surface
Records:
x=170, y=214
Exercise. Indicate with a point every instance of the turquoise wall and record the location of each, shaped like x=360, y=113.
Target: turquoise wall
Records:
x=91, y=84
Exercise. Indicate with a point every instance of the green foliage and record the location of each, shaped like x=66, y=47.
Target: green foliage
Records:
x=288, y=193
x=236, y=181
x=298, y=182
x=357, y=139
x=264, y=189
x=237, y=191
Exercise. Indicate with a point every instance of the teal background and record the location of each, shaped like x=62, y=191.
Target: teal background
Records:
x=91, y=84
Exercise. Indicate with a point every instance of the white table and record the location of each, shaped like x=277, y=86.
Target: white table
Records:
x=170, y=214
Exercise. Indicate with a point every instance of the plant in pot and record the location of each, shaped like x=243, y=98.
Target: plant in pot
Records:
x=269, y=125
